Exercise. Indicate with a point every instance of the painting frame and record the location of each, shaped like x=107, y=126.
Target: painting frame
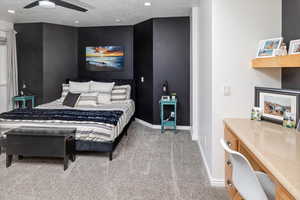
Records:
x=264, y=51
x=276, y=92
x=294, y=48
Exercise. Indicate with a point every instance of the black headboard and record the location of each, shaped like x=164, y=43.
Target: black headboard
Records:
x=117, y=81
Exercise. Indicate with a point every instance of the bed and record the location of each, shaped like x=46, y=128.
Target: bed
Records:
x=99, y=128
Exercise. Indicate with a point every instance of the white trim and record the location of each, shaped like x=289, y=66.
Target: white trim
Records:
x=213, y=181
x=195, y=72
x=187, y=128
x=194, y=131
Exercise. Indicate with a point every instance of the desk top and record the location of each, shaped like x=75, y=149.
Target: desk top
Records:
x=278, y=148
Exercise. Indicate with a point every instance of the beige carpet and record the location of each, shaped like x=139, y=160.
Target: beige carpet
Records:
x=147, y=165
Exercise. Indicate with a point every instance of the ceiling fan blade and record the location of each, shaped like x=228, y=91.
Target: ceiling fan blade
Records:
x=33, y=4
x=69, y=5
x=81, y=4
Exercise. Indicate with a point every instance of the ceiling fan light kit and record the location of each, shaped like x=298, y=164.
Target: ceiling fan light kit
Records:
x=53, y=4
x=46, y=4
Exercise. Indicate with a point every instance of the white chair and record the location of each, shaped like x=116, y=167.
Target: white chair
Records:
x=251, y=185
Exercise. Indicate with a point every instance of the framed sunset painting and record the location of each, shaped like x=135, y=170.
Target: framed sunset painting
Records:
x=105, y=58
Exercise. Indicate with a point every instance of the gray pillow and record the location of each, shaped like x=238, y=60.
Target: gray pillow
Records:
x=71, y=99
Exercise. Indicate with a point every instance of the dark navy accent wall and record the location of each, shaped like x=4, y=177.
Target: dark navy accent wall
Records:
x=171, y=62
x=47, y=56
x=290, y=31
x=30, y=57
x=106, y=36
x=157, y=49
x=162, y=52
x=143, y=67
x=60, y=58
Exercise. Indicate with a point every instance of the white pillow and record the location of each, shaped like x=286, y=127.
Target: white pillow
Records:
x=101, y=87
x=104, y=98
x=121, y=93
x=79, y=87
x=88, y=99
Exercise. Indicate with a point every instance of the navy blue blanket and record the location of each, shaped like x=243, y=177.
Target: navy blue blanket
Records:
x=108, y=117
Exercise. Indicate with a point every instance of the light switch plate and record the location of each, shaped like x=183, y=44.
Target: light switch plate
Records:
x=142, y=79
x=227, y=90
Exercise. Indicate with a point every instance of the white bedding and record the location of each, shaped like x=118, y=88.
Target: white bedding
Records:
x=85, y=131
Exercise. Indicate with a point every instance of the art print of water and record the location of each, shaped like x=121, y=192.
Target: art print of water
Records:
x=105, y=58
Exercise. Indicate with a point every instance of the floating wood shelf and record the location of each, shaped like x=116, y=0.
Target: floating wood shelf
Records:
x=277, y=62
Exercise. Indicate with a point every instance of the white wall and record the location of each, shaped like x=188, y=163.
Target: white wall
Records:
x=194, y=103
x=3, y=62
x=205, y=81
x=229, y=35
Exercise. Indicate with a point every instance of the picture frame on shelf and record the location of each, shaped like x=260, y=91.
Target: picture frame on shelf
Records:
x=294, y=47
x=275, y=102
x=267, y=47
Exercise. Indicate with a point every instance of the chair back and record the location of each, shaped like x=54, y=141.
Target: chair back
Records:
x=244, y=178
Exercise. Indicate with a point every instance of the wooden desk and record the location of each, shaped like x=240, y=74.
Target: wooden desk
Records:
x=269, y=148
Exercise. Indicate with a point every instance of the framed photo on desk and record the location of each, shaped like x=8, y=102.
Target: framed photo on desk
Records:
x=274, y=102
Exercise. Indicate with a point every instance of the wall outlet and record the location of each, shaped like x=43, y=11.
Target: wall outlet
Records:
x=142, y=79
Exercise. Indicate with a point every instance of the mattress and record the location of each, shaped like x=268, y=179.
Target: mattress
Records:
x=86, y=131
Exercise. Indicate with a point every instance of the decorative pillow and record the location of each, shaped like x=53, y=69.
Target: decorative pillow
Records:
x=104, y=98
x=79, y=87
x=88, y=99
x=65, y=91
x=101, y=87
x=121, y=93
x=71, y=99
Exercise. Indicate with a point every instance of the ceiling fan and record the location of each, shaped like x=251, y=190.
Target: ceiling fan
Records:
x=53, y=3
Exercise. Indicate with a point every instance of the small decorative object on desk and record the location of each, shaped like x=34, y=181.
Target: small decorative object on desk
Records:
x=267, y=47
x=294, y=47
x=256, y=113
x=289, y=120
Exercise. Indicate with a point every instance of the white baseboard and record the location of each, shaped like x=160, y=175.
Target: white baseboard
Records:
x=213, y=181
x=195, y=136
x=186, y=128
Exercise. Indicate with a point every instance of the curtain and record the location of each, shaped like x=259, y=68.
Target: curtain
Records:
x=3, y=72
x=12, y=68
x=2, y=40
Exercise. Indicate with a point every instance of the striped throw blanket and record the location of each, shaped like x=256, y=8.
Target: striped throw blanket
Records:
x=92, y=116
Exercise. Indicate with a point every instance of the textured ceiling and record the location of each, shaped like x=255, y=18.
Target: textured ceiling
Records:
x=101, y=12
